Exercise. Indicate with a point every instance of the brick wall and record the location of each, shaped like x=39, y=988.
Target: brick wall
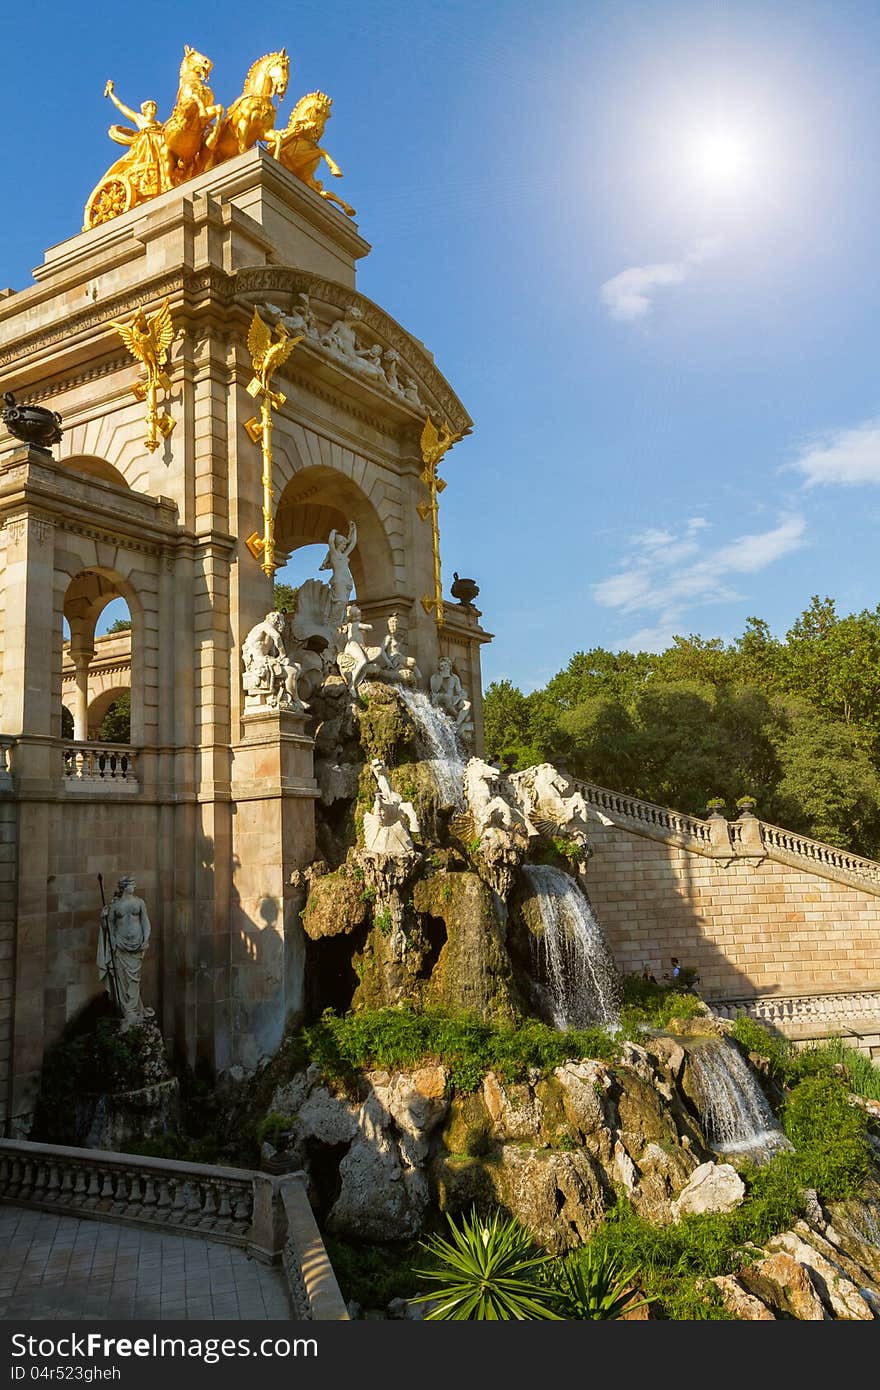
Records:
x=748, y=929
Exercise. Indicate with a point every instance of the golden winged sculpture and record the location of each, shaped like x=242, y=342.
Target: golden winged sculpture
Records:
x=267, y=355
x=148, y=338
x=434, y=444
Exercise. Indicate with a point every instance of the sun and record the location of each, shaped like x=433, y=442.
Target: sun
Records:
x=720, y=157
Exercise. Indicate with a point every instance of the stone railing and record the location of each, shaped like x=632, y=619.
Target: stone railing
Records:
x=310, y=1278
x=269, y=1216
x=812, y=854
x=657, y=821
x=825, y=1013
x=746, y=839
x=230, y=1204
x=90, y=766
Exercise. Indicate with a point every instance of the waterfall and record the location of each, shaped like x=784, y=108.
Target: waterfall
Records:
x=581, y=979
x=439, y=746
x=735, y=1112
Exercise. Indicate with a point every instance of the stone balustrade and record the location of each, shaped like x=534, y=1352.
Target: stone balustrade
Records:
x=812, y=854
x=659, y=821
x=229, y=1204
x=819, y=1015
x=746, y=839
x=90, y=766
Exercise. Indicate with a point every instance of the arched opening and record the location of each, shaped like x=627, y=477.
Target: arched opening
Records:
x=91, y=466
x=109, y=718
x=317, y=501
x=101, y=662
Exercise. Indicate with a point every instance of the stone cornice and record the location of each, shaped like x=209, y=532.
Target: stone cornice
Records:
x=256, y=281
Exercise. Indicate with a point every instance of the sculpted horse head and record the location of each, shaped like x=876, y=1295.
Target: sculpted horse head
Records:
x=252, y=115
x=195, y=109
x=195, y=66
x=309, y=117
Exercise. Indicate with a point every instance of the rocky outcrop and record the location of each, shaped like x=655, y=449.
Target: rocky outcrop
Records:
x=785, y=1287
x=336, y=904
x=711, y=1187
x=472, y=973
x=738, y=1301
x=553, y=1148
x=837, y=1291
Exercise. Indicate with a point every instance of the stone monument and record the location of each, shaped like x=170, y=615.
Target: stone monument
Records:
x=206, y=217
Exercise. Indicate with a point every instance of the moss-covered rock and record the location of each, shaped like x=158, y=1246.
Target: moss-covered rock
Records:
x=473, y=972
x=385, y=727
x=468, y=1129
x=336, y=904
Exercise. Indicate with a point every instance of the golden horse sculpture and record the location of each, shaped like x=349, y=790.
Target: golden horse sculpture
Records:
x=199, y=134
x=298, y=146
x=194, y=124
x=251, y=117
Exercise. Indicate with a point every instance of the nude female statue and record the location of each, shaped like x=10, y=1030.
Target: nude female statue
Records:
x=339, y=548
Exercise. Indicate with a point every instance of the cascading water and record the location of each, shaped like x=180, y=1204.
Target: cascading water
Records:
x=440, y=746
x=581, y=980
x=736, y=1115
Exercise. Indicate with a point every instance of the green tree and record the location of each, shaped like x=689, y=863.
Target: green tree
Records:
x=116, y=724
x=284, y=598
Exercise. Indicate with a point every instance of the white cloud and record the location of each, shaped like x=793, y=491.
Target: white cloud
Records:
x=654, y=580
x=848, y=456
x=628, y=296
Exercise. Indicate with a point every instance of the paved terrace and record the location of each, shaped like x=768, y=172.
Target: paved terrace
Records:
x=64, y=1267
x=93, y=1233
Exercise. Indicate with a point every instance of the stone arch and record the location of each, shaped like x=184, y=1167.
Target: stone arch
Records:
x=88, y=593
x=318, y=500
x=344, y=478
x=101, y=702
x=92, y=466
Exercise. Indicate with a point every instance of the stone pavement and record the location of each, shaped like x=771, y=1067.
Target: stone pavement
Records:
x=62, y=1267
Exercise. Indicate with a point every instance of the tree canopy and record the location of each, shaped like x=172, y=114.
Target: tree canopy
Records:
x=793, y=722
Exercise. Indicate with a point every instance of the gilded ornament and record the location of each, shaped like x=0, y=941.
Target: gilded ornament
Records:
x=298, y=146
x=434, y=444
x=200, y=133
x=267, y=355
x=148, y=339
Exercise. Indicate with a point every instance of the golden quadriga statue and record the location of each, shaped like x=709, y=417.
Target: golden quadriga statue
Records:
x=200, y=133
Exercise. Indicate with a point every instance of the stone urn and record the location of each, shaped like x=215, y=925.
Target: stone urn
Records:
x=32, y=424
x=465, y=590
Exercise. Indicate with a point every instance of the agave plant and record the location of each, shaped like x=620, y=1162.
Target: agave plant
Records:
x=593, y=1285
x=486, y=1271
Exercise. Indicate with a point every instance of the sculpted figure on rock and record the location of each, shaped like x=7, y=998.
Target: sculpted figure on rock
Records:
x=270, y=675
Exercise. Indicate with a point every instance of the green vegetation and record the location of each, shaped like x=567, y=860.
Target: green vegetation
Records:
x=792, y=724
x=390, y=1038
x=655, y=1006
x=486, y=1271
x=596, y=1286
x=120, y=625
x=116, y=724
x=284, y=598
x=788, y=1065
x=383, y=921
x=374, y=1274
x=272, y=1127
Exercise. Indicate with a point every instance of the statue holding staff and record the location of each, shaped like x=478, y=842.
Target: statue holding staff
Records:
x=122, y=944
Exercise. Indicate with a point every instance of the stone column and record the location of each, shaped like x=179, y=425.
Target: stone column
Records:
x=82, y=659
x=273, y=833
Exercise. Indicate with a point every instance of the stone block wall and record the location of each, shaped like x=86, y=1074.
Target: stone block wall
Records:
x=748, y=929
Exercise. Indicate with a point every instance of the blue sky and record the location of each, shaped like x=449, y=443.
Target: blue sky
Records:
x=640, y=239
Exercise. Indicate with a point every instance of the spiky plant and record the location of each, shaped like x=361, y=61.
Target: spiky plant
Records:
x=486, y=1271
x=594, y=1285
